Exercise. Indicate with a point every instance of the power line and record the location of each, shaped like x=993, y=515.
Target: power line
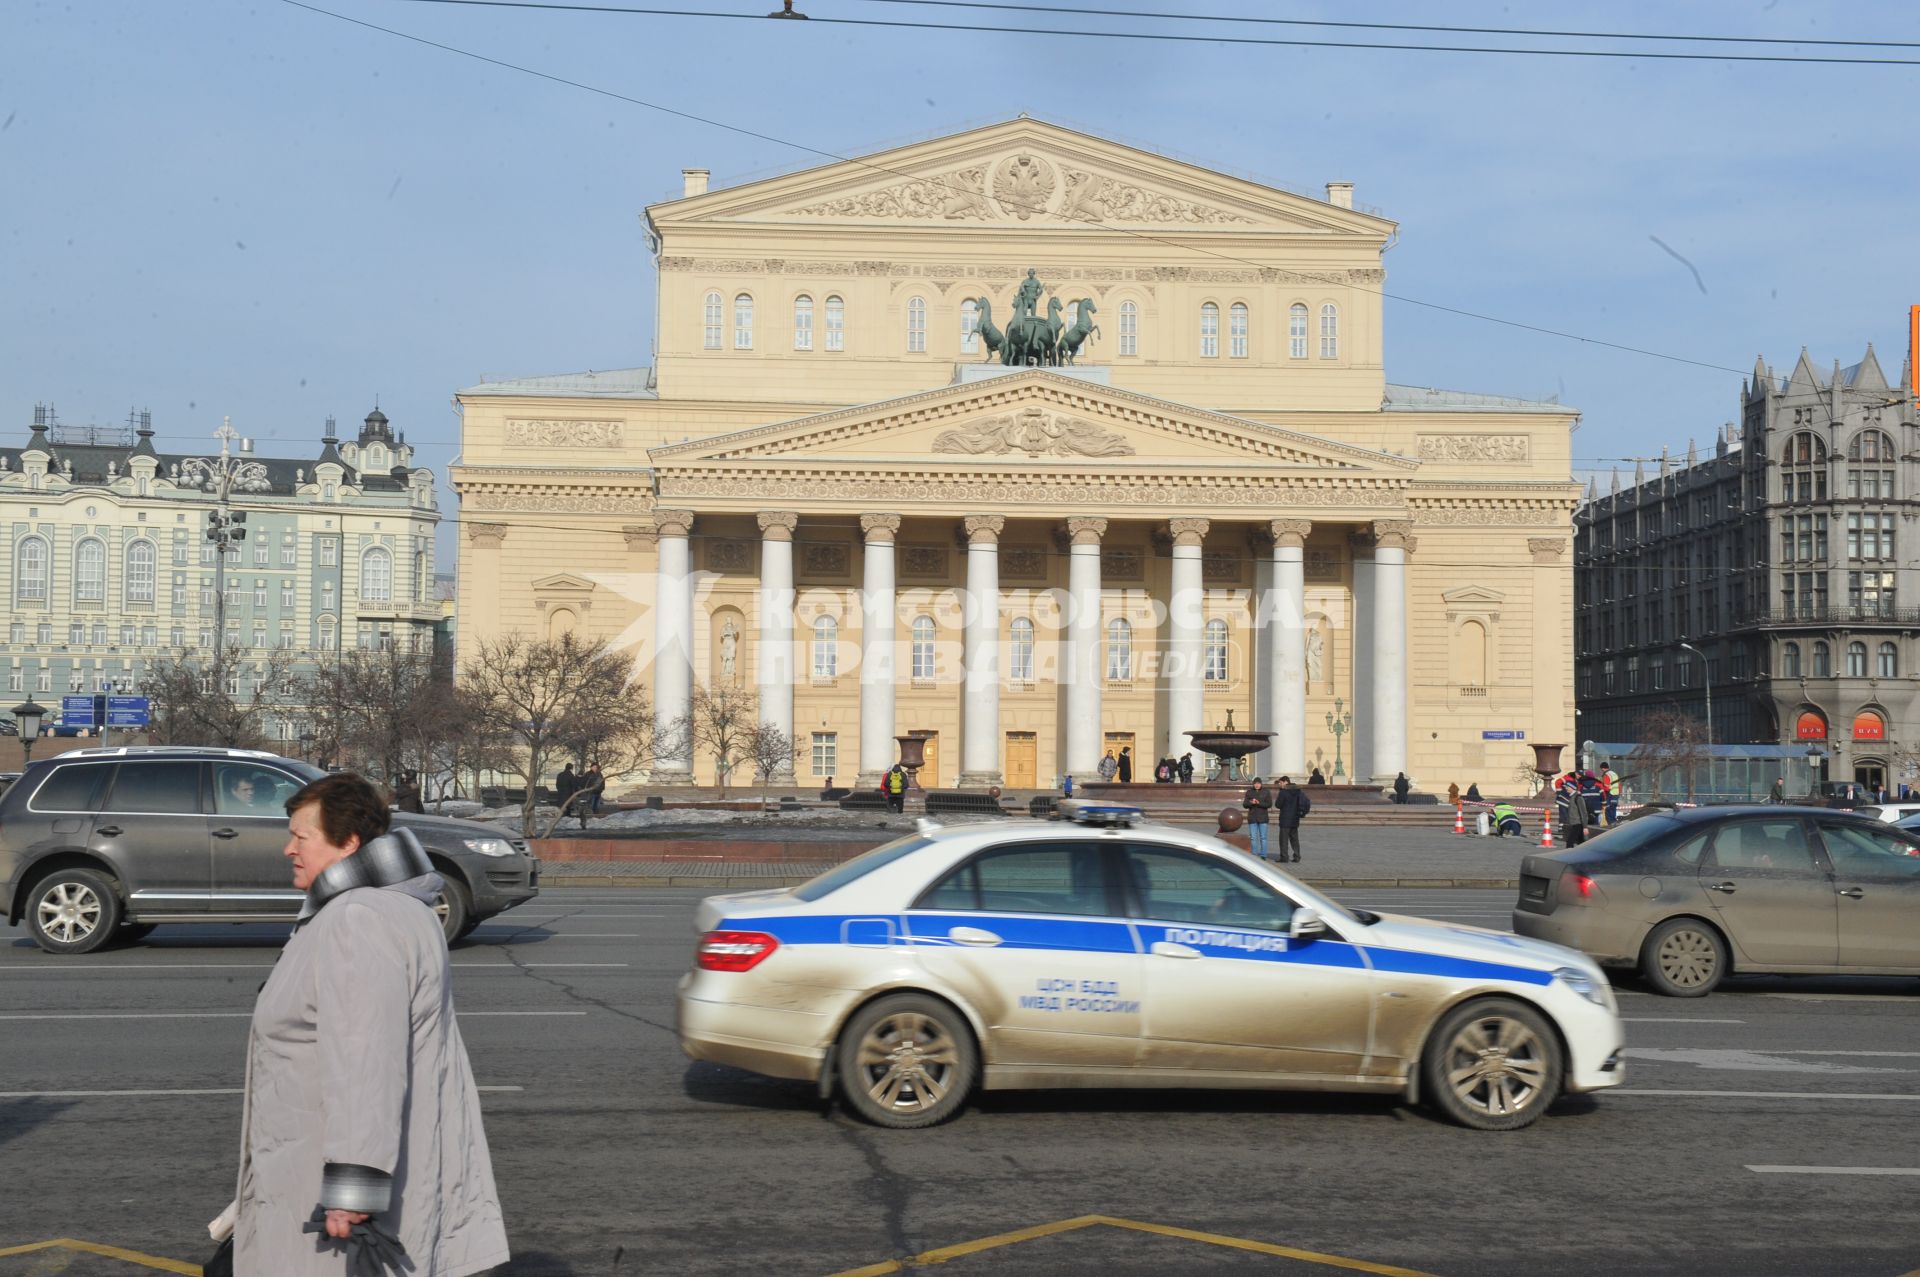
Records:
x=1176, y=38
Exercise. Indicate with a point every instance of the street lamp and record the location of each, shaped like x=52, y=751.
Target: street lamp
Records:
x=1706, y=682
x=28, y=715
x=1815, y=757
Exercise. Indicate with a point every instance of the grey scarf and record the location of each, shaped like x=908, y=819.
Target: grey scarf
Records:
x=387, y=861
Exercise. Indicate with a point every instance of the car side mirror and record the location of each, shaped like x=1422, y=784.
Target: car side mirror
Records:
x=1306, y=925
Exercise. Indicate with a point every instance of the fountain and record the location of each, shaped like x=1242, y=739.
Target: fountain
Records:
x=1229, y=744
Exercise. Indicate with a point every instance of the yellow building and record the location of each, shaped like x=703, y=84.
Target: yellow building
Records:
x=832, y=488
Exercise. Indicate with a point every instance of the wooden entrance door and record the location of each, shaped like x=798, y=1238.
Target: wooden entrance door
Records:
x=1023, y=760
x=930, y=772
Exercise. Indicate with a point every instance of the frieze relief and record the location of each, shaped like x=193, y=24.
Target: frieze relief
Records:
x=1220, y=568
x=564, y=434
x=868, y=492
x=1023, y=563
x=825, y=558
x=923, y=560
x=1474, y=448
x=1322, y=566
x=957, y=196
x=729, y=556
x=1490, y=515
x=1037, y=433
x=557, y=502
x=1091, y=197
x=1122, y=565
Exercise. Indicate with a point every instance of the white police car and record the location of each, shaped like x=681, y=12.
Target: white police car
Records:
x=1103, y=951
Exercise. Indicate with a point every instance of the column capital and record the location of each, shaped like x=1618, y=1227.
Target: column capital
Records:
x=879, y=529
x=640, y=536
x=673, y=523
x=1086, y=530
x=778, y=525
x=486, y=533
x=985, y=529
x=1393, y=534
x=1546, y=549
x=1290, y=533
x=1188, y=531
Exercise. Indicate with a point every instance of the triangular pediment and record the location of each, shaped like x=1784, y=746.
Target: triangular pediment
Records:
x=1473, y=595
x=564, y=583
x=1033, y=417
x=1027, y=174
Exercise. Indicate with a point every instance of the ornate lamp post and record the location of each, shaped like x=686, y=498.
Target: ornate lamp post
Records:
x=29, y=716
x=221, y=476
x=1339, y=722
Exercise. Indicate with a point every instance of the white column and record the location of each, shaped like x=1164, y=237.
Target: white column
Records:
x=980, y=707
x=1186, y=619
x=1359, y=739
x=1085, y=671
x=672, y=647
x=1288, y=699
x=774, y=668
x=877, y=658
x=1392, y=539
x=1260, y=666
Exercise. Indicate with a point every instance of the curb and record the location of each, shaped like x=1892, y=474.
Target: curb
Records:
x=691, y=880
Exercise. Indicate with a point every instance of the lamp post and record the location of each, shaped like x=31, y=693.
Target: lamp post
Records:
x=220, y=476
x=1706, y=683
x=1339, y=722
x=28, y=715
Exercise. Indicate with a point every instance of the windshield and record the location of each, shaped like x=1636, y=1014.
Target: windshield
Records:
x=859, y=867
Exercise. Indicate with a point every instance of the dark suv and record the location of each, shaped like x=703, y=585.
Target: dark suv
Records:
x=103, y=843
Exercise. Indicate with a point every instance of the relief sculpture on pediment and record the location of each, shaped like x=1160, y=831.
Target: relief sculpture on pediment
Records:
x=1093, y=198
x=1037, y=433
x=957, y=196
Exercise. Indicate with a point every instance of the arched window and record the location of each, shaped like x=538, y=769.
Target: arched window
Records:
x=561, y=622
x=1216, y=647
x=30, y=560
x=1020, y=644
x=1856, y=660
x=1129, y=328
x=376, y=575
x=422, y=580
x=836, y=324
x=714, y=320
x=826, y=648
x=1329, y=331
x=1209, y=331
x=923, y=647
x=1237, y=331
x=329, y=634
x=141, y=561
x=969, y=327
x=1297, y=331
x=743, y=321
x=1889, y=661
x=803, y=322
x=1822, y=660
x=917, y=325
x=1790, y=660
x=1871, y=445
x=90, y=571
x=1119, y=651
x=1472, y=668
x=1870, y=448
x=1803, y=469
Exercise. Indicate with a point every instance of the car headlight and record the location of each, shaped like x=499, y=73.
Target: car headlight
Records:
x=489, y=846
x=1581, y=983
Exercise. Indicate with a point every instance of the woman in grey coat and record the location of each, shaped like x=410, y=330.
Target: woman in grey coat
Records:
x=359, y=1099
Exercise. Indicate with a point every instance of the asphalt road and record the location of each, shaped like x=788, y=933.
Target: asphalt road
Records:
x=119, y=1114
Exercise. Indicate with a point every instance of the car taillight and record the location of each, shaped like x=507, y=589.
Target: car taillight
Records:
x=1584, y=884
x=733, y=950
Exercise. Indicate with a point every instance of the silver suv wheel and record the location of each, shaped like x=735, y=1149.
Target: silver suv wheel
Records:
x=73, y=911
x=68, y=911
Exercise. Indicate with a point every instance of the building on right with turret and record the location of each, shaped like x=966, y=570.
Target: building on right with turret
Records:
x=1769, y=589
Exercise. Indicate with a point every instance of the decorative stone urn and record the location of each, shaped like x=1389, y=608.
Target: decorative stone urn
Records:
x=913, y=756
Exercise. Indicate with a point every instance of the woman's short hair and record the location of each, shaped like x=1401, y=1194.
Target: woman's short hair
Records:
x=349, y=805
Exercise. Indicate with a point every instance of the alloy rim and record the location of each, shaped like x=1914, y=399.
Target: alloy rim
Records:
x=1688, y=959
x=69, y=912
x=907, y=1063
x=1497, y=1066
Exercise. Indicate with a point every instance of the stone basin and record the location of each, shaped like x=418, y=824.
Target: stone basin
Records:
x=1230, y=743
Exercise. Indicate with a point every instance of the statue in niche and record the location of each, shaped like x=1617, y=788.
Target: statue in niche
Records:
x=1316, y=654
x=729, y=645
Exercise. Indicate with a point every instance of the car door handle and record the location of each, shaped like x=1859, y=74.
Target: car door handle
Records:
x=1727, y=887
x=108, y=831
x=226, y=833
x=973, y=936
x=1852, y=893
x=1168, y=949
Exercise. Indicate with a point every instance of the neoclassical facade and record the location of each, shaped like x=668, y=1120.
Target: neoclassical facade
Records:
x=832, y=487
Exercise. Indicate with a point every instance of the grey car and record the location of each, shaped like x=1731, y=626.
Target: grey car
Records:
x=1689, y=897
x=99, y=844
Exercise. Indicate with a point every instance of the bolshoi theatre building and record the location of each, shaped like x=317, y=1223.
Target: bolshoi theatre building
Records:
x=1037, y=446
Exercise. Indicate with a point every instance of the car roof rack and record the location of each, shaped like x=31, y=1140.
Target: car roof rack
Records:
x=117, y=751
x=1111, y=815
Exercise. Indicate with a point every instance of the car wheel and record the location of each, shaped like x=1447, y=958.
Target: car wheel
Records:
x=1493, y=1065
x=1683, y=958
x=73, y=911
x=454, y=904
x=907, y=1061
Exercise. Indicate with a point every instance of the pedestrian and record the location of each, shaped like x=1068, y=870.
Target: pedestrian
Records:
x=1290, y=807
x=1186, y=769
x=566, y=785
x=1316, y=778
x=1610, y=781
x=1109, y=768
x=596, y=782
x=406, y=794
x=1453, y=794
x=360, y=1111
x=1066, y=785
x=894, y=786
x=1401, y=787
x=1506, y=819
x=1258, y=800
x=1162, y=772
x=1473, y=793
x=1126, y=764
x=1778, y=794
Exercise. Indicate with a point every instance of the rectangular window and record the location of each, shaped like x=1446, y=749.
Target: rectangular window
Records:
x=286, y=594
x=16, y=679
x=289, y=552
x=179, y=551
x=286, y=634
x=177, y=637
x=127, y=633
x=100, y=633
x=261, y=551
x=826, y=753
x=329, y=548
x=206, y=554
x=1129, y=329
x=43, y=680
x=260, y=594
x=259, y=636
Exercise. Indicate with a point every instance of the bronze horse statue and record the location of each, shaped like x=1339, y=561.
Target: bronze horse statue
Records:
x=1030, y=339
x=1083, y=329
x=990, y=336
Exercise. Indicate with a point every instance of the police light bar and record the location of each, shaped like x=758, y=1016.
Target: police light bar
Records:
x=1087, y=813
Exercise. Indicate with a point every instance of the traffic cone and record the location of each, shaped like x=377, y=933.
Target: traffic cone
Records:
x=1459, y=820
x=1546, y=830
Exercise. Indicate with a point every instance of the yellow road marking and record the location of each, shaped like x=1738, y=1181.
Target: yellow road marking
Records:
x=110, y=1252
x=943, y=1254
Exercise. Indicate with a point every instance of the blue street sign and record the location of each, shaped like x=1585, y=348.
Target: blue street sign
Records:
x=128, y=711
x=76, y=711
x=1503, y=735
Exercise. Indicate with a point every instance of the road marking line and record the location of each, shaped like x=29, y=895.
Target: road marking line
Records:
x=468, y=1015
x=1905, y=1055
x=215, y=1015
x=1674, y=1019
x=501, y=933
x=521, y=966
x=1769, y=1095
x=211, y=1090
x=268, y=966
x=1835, y=1170
x=1841, y=997
x=110, y=1252
x=943, y=1254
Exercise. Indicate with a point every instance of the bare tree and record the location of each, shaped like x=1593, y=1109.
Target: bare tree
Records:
x=772, y=752
x=385, y=711
x=535, y=700
x=222, y=699
x=722, y=721
x=1669, y=740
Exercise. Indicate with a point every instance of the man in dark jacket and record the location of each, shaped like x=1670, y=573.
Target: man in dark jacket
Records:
x=1126, y=765
x=566, y=785
x=1290, y=806
x=1186, y=769
x=1401, y=788
x=1258, y=800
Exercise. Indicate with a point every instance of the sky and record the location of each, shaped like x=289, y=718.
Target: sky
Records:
x=215, y=208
